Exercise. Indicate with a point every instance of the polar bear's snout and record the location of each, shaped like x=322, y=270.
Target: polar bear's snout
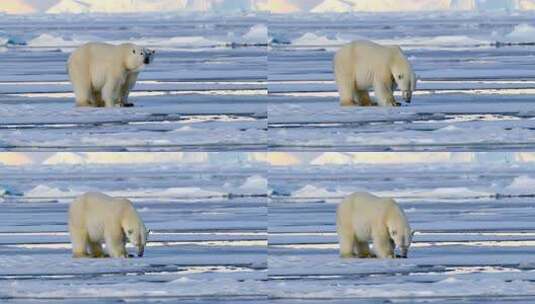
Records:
x=149, y=56
x=403, y=252
x=407, y=96
x=138, y=238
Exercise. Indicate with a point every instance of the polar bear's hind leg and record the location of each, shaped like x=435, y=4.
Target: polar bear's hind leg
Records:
x=364, y=98
x=363, y=249
x=79, y=240
x=115, y=244
x=346, y=89
x=345, y=82
x=96, y=250
x=347, y=244
x=80, y=82
x=96, y=99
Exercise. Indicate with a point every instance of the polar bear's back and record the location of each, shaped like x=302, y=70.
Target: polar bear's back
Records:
x=360, y=209
x=362, y=61
x=94, y=61
x=365, y=200
x=365, y=53
x=92, y=50
x=95, y=206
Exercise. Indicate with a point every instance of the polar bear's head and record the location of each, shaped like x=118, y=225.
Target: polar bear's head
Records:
x=402, y=73
x=137, y=57
x=399, y=230
x=135, y=231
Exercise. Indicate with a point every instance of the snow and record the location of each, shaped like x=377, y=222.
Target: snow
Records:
x=43, y=191
x=47, y=40
x=521, y=33
x=310, y=191
x=256, y=35
x=212, y=247
x=334, y=6
x=474, y=89
x=342, y=6
x=133, y=6
x=255, y=184
x=209, y=217
x=206, y=89
x=311, y=39
x=332, y=158
x=521, y=185
x=469, y=244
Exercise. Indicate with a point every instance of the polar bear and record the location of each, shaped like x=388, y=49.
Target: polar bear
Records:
x=103, y=74
x=95, y=218
x=360, y=65
x=362, y=217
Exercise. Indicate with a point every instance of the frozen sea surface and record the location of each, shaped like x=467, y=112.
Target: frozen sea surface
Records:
x=206, y=89
x=474, y=241
x=209, y=240
x=476, y=88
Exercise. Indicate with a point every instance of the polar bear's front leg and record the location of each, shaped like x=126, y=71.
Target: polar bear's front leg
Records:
x=115, y=243
x=382, y=245
x=127, y=87
x=384, y=94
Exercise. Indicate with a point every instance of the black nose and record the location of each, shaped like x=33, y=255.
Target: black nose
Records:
x=146, y=61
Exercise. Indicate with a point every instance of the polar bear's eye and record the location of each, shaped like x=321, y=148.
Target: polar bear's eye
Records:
x=394, y=232
x=134, y=51
x=400, y=76
x=130, y=231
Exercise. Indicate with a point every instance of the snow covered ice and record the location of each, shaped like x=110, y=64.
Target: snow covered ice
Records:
x=472, y=214
x=207, y=213
x=475, y=88
x=237, y=152
x=206, y=89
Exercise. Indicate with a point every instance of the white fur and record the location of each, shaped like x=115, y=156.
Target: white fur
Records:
x=362, y=217
x=96, y=218
x=361, y=65
x=103, y=74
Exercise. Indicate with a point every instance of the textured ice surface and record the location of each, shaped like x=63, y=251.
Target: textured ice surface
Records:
x=208, y=240
x=473, y=242
x=475, y=88
x=206, y=89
